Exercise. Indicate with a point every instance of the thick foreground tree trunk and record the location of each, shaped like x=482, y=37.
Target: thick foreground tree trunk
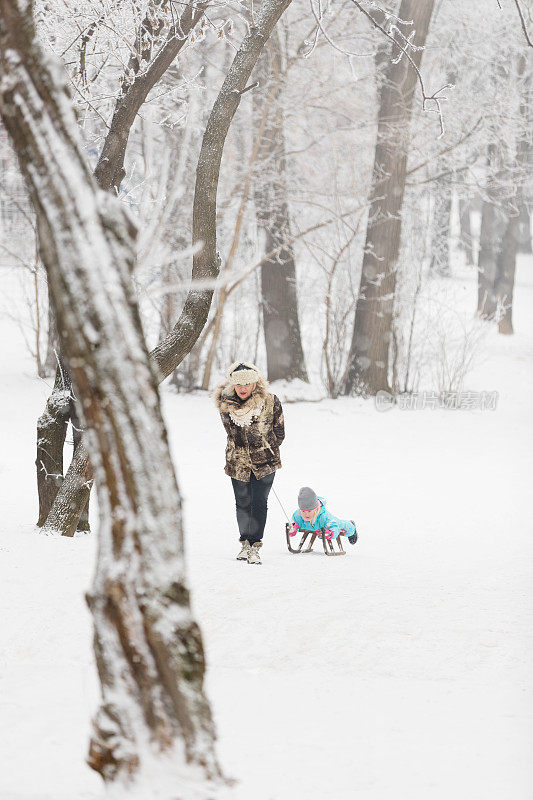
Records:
x=372, y=333
x=285, y=357
x=169, y=353
x=148, y=647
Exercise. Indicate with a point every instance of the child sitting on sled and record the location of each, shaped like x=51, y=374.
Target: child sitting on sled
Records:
x=312, y=515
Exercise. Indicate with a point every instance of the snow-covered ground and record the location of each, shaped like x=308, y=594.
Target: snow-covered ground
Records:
x=402, y=670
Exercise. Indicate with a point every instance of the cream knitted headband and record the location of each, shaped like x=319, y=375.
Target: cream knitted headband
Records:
x=241, y=372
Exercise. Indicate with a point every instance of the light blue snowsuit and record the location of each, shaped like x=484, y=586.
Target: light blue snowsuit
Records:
x=324, y=519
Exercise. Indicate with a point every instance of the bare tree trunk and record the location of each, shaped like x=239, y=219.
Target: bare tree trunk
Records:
x=285, y=357
x=493, y=224
x=504, y=288
x=51, y=433
x=500, y=223
x=168, y=311
x=69, y=507
x=52, y=424
x=524, y=230
x=372, y=333
x=52, y=344
x=148, y=647
x=169, y=353
x=442, y=210
x=504, y=285
x=466, y=241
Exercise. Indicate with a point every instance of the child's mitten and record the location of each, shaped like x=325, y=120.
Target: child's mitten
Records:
x=328, y=534
x=293, y=529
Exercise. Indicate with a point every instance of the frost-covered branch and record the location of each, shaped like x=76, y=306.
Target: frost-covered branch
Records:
x=137, y=84
x=522, y=20
x=403, y=43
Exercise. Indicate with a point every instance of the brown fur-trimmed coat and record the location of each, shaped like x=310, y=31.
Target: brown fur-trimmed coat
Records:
x=253, y=447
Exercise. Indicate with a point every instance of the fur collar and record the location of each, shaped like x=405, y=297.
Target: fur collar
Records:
x=226, y=400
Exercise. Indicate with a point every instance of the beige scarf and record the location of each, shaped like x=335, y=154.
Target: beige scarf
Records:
x=245, y=414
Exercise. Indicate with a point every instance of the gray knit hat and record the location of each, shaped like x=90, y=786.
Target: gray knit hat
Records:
x=307, y=499
x=243, y=372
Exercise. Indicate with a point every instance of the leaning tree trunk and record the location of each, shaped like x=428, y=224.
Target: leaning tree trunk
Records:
x=71, y=501
x=285, y=357
x=169, y=353
x=148, y=647
x=368, y=368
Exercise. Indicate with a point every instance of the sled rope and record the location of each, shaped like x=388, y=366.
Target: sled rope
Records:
x=281, y=504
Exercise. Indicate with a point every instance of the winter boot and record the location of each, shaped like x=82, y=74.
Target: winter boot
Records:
x=245, y=551
x=353, y=538
x=253, y=555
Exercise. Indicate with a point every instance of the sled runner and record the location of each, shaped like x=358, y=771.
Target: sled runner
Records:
x=329, y=550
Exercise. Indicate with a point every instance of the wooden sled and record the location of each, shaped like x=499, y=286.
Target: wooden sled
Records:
x=329, y=549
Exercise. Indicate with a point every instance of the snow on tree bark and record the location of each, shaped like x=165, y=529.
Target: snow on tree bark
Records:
x=148, y=647
x=369, y=351
x=440, y=240
x=493, y=224
x=51, y=434
x=466, y=239
x=284, y=351
x=498, y=295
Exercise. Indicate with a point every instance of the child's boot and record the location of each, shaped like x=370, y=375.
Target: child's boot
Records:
x=353, y=538
x=253, y=555
x=245, y=551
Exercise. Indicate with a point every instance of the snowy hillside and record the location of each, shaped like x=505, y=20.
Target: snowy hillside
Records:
x=402, y=670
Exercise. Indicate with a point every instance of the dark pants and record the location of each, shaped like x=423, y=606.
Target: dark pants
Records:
x=251, y=503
